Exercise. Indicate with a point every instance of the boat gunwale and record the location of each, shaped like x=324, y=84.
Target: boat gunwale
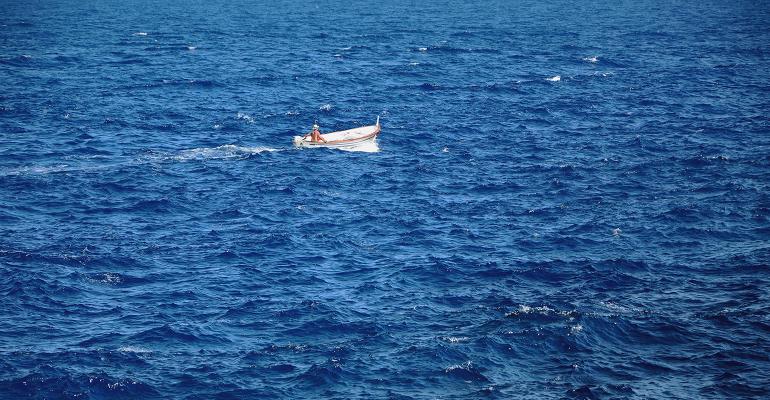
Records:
x=361, y=138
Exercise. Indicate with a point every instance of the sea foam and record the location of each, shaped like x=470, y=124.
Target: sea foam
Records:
x=227, y=151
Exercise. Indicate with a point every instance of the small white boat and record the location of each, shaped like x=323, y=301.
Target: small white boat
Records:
x=350, y=138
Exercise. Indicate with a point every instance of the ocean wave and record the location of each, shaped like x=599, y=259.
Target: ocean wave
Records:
x=167, y=335
x=290, y=347
x=525, y=310
x=76, y=385
x=67, y=59
x=322, y=374
x=116, y=279
x=134, y=349
x=429, y=86
x=18, y=61
x=466, y=371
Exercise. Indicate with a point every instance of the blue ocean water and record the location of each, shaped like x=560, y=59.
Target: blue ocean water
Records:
x=569, y=200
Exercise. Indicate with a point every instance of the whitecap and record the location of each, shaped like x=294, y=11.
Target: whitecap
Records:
x=111, y=278
x=592, y=59
x=246, y=117
x=616, y=232
x=326, y=107
x=331, y=194
x=542, y=310
x=107, y=278
x=191, y=48
x=134, y=349
x=140, y=34
x=466, y=366
x=423, y=49
x=620, y=309
x=456, y=339
x=556, y=78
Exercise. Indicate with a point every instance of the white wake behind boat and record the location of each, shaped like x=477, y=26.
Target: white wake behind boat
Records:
x=348, y=139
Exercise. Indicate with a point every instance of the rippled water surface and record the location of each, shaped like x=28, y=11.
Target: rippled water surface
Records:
x=569, y=201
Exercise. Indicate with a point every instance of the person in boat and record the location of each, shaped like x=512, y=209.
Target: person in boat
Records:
x=315, y=136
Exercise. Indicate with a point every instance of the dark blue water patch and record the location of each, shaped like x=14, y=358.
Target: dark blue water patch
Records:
x=24, y=60
x=598, y=392
x=728, y=384
x=191, y=83
x=282, y=368
x=66, y=59
x=430, y=86
x=167, y=334
x=131, y=59
x=507, y=87
x=55, y=384
x=319, y=375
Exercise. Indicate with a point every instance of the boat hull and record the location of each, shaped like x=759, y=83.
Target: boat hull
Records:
x=351, y=138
